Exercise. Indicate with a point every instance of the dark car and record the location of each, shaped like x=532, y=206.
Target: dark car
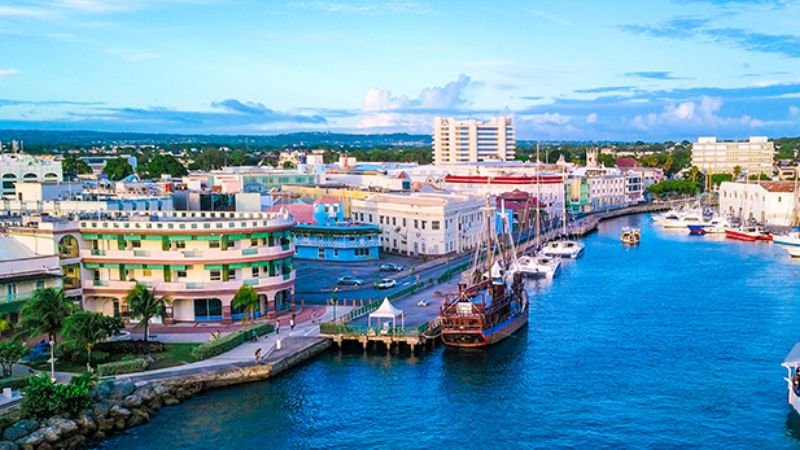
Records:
x=349, y=280
x=391, y=267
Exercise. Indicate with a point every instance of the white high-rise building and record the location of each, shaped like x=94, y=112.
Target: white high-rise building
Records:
x=471, y=140
x=753, y=156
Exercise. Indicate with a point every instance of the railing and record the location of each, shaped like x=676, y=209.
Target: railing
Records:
x=192, y=254
x=194, y=285
x=250, y=251
x=310, y=242
x=362, y=310
x=100, y=283
x=331, y=328
x=141, y=253
x=251, y=282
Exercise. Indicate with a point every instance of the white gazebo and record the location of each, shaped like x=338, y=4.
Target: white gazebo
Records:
x=387, y=311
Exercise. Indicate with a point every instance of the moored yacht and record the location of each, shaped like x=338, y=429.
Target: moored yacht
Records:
x=717, y=225
x=563, y=249
x=537, y=266
x=790, y=238
x=794, y=251
x=748, y=233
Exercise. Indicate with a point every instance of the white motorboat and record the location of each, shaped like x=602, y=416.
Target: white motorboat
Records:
x=563, y=249
x=794, y=251
x=537, y=266
x=682, y=220
x=790, y=238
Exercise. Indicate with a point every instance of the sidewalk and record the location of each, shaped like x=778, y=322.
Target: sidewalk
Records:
x=245, y=353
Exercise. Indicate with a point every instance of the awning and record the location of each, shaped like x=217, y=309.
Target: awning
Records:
x=237, y=237
x=109, y=236
x=177, y=267
x=134, y=266
x=260, y=234
x=260, y=263
x=238, y=265
x=153, y=237
x=213, y=267
x=154, y=266
x=110, y=265
x=90, y=236
x=132, y=237
x=91, y=265
x=209, y=237
x=180, y=237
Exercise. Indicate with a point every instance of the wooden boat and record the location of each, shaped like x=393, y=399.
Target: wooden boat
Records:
x=489, y=306
x=630, y=236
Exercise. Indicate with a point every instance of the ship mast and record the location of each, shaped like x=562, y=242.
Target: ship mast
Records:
x=564, y=200
x=538, y=200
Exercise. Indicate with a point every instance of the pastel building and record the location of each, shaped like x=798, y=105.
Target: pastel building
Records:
x=323, y=233
x=17, y=167
x=769, y=203
x=22, y=272
x=425, y=224
x=198, y=259
x=456, y=141
x=753, y=156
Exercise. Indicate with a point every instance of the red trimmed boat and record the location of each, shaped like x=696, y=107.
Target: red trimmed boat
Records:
x=748, y=233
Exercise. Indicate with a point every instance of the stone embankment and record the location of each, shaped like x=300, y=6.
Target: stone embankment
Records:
x=124, y=402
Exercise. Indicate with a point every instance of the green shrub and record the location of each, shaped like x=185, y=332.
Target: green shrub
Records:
x=100, y=357
x=43, y=398
x=116, y=368
x=230, y=341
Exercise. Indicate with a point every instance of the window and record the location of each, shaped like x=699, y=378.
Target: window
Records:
x=404, y=221
x=253, y=242
x=423, y=224
x=435, y=225
x=39, y=284
x=370, y=218
x=336, y=253
x=394, y=221
x=213, y=244
x=180, y=274
x=216, y=275
x=321, y=253
x=416, y=223
x=232, y=274
x=180, y=244
x=148, y=273
x=136, y=244
x=255, y=272
x=394, y=243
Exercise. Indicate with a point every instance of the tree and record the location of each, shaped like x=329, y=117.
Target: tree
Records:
x=10, y=353
x=737, y=170
x=246, y=299
x=607, y=160
x=165, y=164
x=144, y=304
x=45, y=313
x=209, y=159
x=693, y=172
x=288, y=165
x=84, y=329
x=117, y=169
x=75, y=166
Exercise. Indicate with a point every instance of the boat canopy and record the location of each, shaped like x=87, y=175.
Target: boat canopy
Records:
x=793, y=358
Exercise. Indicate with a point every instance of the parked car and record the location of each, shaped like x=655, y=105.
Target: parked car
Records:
x=386, y=283
x=349, y=280
x=391, y=267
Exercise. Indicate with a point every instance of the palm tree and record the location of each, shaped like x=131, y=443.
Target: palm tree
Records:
x=86, y=328
x=45, y=313
x=246, y=299
x=143, y=303
x=737, y=170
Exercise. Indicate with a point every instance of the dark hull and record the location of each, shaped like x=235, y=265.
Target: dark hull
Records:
x=484, y=338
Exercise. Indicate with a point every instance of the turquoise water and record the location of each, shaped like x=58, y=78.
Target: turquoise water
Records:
x=676, y=342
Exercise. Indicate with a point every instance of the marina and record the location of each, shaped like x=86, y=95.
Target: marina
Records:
x=655, y=352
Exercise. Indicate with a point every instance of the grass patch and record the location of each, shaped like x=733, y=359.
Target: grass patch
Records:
x=176, y=354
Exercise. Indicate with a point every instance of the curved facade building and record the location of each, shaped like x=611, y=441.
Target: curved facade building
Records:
x=197, y=258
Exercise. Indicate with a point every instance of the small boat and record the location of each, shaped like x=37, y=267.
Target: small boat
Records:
x=563, y=249
x=697, y=230
x=792, y=365
x=630, y=236
x=790, y=238
x=748, y=233
x=537, y=266
x=716, y=225
x=680, y=219
x=794, y=251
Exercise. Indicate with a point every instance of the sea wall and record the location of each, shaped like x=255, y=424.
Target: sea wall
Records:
x=121, y=404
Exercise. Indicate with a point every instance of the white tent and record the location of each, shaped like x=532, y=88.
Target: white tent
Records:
x=388, y=311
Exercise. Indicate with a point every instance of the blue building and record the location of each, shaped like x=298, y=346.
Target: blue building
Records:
x=322, y=233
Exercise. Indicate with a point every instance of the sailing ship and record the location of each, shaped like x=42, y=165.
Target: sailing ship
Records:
x=563, y=248
x=489, y=305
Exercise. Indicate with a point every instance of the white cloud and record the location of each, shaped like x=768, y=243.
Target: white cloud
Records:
x=703, y=113
x=591, y=118
x=8, y=72
x=382, y=109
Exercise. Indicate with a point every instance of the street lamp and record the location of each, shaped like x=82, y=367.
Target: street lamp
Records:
x=333, y=302
x=52, y=361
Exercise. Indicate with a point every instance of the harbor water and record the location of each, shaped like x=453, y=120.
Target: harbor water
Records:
x=675, y=342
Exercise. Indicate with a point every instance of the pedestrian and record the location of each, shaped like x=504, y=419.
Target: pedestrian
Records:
x=291, y=325
x=278, y=326
x=313, y=316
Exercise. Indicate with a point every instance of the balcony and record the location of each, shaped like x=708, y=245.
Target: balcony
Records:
x=186, y=256
x=189, y=287
x=323, y=243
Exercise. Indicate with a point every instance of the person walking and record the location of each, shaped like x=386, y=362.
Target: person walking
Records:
x=278, y=326
x=291, y=326
x=313, y=316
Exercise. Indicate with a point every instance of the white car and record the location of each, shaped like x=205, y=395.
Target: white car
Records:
x=386, y=283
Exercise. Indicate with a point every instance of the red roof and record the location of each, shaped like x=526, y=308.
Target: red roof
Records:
x=626, y=163
x=302, y=212
x=326, y=199
x=778, y=186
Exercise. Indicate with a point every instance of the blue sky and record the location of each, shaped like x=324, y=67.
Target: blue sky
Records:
x=588, y=70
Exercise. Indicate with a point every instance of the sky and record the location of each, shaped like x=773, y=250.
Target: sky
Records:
x=564, y=70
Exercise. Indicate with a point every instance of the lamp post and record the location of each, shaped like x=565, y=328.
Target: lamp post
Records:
x=333, y=302
x=52, y=361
